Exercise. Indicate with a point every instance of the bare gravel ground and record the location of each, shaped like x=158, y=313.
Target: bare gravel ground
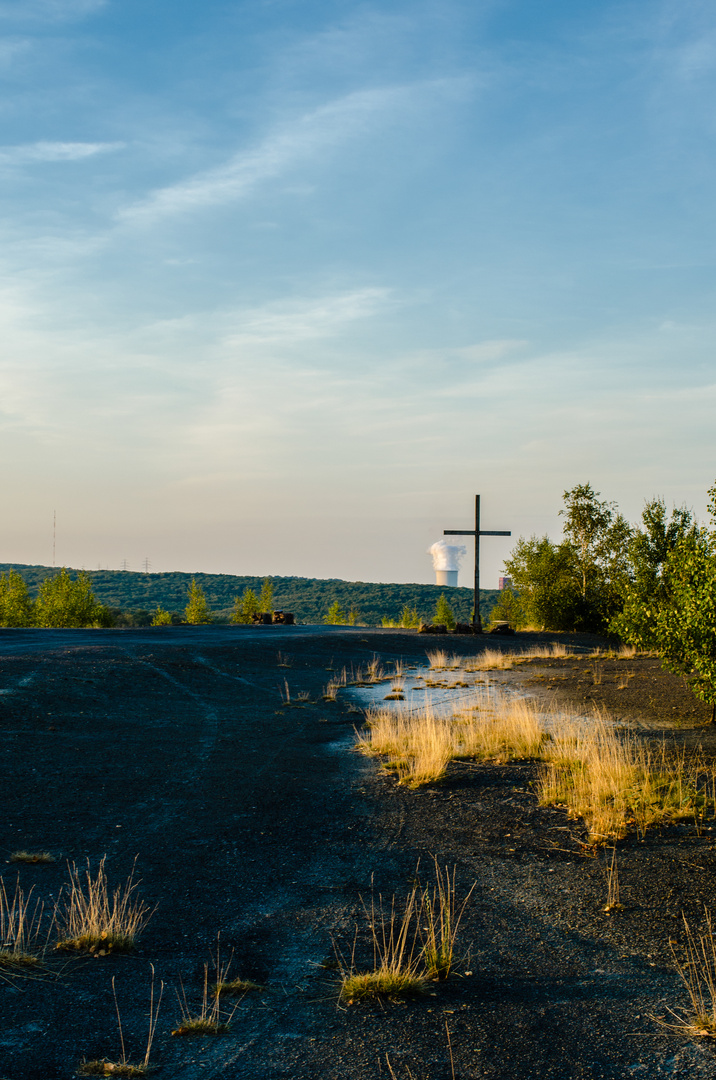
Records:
x=252, y=818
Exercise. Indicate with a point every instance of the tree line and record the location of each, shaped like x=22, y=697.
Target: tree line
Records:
x=653, y=585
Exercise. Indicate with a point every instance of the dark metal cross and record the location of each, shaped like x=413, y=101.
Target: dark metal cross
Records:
x=477, y=532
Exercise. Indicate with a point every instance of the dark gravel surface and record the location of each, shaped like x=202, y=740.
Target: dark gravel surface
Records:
x=253, y=819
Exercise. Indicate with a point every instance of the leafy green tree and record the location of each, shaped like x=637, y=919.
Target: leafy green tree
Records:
x=266, y=596
x=648, y=590
x=577, y=584
x=197, y=609
x=686, y=626
x=410, y=618
x=509, y=609
x=16, y=607
x=443, y=613
x=63, y=601
x=161, y=617
x=245, y=607
x=335, y=615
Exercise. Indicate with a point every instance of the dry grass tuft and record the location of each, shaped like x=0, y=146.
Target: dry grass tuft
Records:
x=698, y=973
x=208, y=1018
x=491, y=660
x=105, y=1067
x=418, y=744
x=413, y=943
x=41, y=858
x=442, y=913
x=614, y=780
x=94, y=920
x=20, y=921
x=236, y=987
x=397, y=969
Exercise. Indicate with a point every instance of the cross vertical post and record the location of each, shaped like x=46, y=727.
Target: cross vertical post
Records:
x=476, y=621
x=477, y=532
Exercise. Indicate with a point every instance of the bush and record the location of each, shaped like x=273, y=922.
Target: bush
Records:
x=443, y=613
x=161, y=617
x=64, y=602
x=16, y=607
x=335, y=615
x=246, y=606
x=197, y=610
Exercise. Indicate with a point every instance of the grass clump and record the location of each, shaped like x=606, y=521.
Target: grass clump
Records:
x=697, y=970
x=208, y=1018
x=93, y=919
x=396, y=970
x=418, y=744
x=413, y=942
x=614, y=780
x=39, y=858
x=441, y=915
x=123, y=1067
x=20, y=922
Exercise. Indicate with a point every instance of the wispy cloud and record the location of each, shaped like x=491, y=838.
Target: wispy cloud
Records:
x=32, y=153
x=303, y=320
x=53, y=10
x=305, y=138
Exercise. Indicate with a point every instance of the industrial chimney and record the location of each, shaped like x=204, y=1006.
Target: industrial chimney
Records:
x=446, y=562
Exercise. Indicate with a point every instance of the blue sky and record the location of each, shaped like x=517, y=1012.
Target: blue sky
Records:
x=283, y=284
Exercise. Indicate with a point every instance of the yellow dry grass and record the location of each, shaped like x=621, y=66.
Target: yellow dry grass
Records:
x=613, y=779
x=20, y=920
x=93, y=919
x=610, y=777
x=418, y=744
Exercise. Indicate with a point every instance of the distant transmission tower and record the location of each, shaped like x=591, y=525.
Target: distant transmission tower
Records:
x=146, y=564
x=125, y=564
x=54, y=534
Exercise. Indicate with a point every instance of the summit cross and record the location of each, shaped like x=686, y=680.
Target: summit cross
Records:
x=477, y=532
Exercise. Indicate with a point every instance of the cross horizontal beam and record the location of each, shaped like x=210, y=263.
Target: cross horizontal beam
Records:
x=471, y=532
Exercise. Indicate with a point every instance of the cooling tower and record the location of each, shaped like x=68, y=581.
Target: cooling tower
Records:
x=446, y=577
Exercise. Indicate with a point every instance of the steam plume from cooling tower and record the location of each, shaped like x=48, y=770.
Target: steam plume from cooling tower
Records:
x=446, y=556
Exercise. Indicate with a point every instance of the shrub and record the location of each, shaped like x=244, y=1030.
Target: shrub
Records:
x=245, y=607
x=443, y=613
x=161, y=617
x=65, y=602
x=197, y=610
x=16, y=607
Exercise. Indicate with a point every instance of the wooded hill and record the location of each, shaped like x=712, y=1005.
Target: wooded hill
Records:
x=308, y=598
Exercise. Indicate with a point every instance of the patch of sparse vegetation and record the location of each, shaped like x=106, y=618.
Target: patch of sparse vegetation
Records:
x=418, y=744
x=413, y=943
x=615, y=780
x=40, y=858
x=20, y=923
x=208, y=1018
x=92, y=919
x=123, y=1067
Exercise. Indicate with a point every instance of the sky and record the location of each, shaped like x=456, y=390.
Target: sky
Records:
x=285, y=283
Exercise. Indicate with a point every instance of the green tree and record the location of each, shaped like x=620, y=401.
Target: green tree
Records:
x=648, y=590
x=686, y=625
x=197, y=609
x=335, y=615
x=410, y=618
x=16, y=607
x=245, y=607
x=577, y=584
x=161, y=617
x=266, y=596
x=443, y=613
x=63, y=601
x=509, y=609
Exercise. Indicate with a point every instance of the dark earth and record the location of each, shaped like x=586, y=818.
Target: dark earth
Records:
x=251, y=818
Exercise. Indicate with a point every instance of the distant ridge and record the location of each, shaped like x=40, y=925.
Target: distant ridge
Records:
x=308, y=598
